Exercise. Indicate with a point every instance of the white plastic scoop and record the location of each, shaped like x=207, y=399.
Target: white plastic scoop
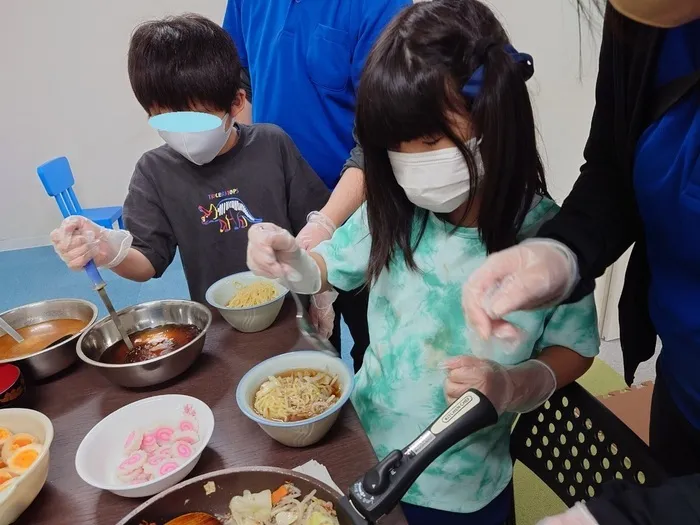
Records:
x=5, y=327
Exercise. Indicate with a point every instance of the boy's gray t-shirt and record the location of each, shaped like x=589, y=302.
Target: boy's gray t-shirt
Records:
x=205, y=211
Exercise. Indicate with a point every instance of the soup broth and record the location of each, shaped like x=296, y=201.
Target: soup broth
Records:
x=150, y=343
x=38, y=336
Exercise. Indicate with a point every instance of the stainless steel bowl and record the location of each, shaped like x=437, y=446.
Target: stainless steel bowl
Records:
x=103, y=334
x=55, y=358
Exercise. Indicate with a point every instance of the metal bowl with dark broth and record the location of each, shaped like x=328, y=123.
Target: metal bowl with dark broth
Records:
x=171, y=333
x=150, y=343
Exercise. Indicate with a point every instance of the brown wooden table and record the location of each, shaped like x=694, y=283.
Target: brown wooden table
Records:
x=78, y=399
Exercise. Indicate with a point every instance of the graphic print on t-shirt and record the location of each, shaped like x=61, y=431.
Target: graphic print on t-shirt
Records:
x=229, y=212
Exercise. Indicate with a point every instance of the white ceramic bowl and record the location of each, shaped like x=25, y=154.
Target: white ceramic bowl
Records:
x=15, y=500
x=253, y=319
x=102, y=450
x=299, y=433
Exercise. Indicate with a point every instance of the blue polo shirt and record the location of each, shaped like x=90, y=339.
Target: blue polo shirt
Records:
x=667, y=186
x=305, y=58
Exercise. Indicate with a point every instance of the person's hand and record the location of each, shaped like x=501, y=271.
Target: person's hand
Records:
x=576, y=515
x=322, y=313
x=318, y=228
x=518, y=388
x=274, y=253
x=78, y=240
x=531, y=275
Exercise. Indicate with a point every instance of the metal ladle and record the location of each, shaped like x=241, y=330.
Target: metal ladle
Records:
x=306, y=327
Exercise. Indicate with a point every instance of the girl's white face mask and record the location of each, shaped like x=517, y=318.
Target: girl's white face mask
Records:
x=436, y=180
x=200, y=147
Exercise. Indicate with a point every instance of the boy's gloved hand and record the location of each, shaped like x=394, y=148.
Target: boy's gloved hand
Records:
x=274, y=253
x=576, y=515
x=318, y=228
x=520, y=388
x=78, y=240
x=322, y=313
x=531, y=275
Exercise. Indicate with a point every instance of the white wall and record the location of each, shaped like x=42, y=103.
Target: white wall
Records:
x=563, y=95
x=65, y=91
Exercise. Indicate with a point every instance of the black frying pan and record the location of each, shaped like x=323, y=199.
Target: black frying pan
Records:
x=372, y=496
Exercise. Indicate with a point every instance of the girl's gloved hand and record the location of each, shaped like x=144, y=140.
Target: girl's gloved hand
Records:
x=322, y=313
x=576, y=515
x=520, y=388
x=318, y=228
x=274, y=253
x=78, y=241
x=531, y=275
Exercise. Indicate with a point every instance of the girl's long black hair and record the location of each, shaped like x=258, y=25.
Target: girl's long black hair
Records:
x=410, y=87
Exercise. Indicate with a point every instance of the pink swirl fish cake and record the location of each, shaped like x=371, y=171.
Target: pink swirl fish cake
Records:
x=150, y=442
x=133, y=441
x=133, y=462
x=167, y=467
x=188, y=436
x=164, y=435
x=188, y=423
x=182, y=451
x=130, y=476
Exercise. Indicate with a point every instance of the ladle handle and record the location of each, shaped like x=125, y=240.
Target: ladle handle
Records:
x=381, y=489
x=14, y=334
x=94, y=274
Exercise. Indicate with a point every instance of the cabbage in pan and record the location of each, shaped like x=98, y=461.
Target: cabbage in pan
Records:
x=284, y=506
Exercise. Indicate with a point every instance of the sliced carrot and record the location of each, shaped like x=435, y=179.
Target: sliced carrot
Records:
x=279, y=494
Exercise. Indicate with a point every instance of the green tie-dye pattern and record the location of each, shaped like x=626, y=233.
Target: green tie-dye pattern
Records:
x=416, y=322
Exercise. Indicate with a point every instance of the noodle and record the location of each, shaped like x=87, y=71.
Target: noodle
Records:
x=296, y=395
x=263, y=508
x=253, y=294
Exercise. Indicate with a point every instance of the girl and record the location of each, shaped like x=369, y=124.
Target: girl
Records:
x=452, y=174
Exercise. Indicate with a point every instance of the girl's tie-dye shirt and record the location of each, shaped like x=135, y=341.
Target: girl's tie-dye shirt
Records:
x=415, y=323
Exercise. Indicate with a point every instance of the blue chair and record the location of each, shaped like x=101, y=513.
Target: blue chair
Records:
x=57, y=178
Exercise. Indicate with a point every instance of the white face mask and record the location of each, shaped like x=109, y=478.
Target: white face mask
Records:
x=436, y=180
x=200, y=147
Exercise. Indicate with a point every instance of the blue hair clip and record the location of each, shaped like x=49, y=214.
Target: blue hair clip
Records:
x=473, y=86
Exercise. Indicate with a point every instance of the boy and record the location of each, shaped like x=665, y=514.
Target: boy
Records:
x=200, y=191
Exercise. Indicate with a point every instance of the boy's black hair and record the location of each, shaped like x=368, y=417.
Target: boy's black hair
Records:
x=179, y=61
x=411, y=82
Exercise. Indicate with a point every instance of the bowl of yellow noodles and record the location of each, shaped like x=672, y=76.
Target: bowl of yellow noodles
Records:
x=248, y=303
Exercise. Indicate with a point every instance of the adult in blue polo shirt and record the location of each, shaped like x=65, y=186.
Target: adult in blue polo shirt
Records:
x=303, y=60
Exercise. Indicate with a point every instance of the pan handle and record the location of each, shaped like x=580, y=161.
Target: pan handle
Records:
x=381, y=489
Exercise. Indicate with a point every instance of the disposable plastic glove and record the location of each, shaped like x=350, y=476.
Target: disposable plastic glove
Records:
x=274, y=253
x=531, y=275
x=520, y=388
x=576, y=515
x=78, y=240
x=318, y=228
x=322, y=313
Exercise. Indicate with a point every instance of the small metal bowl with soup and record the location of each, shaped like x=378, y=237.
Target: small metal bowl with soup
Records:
x=41, y=325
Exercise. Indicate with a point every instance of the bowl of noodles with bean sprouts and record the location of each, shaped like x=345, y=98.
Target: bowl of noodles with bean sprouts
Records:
x=296, y=397
x=248, y=303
